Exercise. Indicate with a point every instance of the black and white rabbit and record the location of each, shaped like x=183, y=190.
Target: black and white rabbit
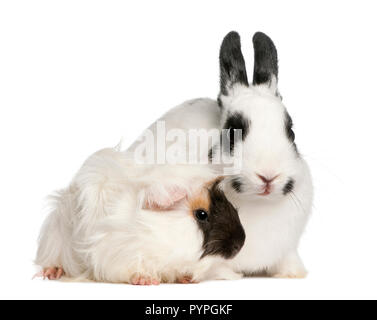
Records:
x=273, y=191
x=119, y=222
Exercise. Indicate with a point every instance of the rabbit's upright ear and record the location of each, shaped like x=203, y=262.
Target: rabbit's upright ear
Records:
x=232, y=63
x=265, y=61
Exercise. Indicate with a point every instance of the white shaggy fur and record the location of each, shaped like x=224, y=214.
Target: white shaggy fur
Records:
x=273, y=223
x=98, y=229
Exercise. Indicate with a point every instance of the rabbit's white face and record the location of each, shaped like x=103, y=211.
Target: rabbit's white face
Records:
x=269, y=154
x=270, y=160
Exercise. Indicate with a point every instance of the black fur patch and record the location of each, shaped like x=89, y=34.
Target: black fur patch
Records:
x=289, y=131
x=223, y=232
x=265, y=59
x=236, y=121
x=289, y=186
x=213, y=152
x=232, y=63
x=237, y=184
x=288, y=127
x=219, y=102
x=210, y=155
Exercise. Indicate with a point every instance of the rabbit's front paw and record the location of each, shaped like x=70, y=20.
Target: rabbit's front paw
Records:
x=291, y=267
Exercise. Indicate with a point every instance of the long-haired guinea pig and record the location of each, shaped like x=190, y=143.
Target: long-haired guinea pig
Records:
x=119, y=222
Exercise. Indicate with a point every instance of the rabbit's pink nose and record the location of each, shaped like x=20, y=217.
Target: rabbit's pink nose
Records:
x=267, y=188
x=267, y=180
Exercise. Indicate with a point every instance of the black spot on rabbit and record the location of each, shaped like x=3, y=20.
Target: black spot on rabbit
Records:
x=289, y=131
x=237, y=185
x=235, y=121
x=289, y=186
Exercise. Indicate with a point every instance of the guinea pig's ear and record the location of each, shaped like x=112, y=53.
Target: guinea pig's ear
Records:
x=232, y=63
x=163, y=197
x=265, y=62
x=217, y=182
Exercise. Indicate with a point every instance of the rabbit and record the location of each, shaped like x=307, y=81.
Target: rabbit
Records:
x=122, y=223
x=273, y=190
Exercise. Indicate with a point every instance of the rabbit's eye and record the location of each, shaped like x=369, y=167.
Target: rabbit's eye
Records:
x=233, y=135
x=201, y=215
x=230, y=134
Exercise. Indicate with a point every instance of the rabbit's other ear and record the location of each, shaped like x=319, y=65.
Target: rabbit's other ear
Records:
x=163, y=197
x=265, y=61
x=232, y=63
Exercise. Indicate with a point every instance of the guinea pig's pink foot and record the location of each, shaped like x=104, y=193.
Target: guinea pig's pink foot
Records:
x=144, y=281
x=52, y=273
x=186, y=280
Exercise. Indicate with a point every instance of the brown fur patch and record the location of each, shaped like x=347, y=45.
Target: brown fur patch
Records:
x=200, y=200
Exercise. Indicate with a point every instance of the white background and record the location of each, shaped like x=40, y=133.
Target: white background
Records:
x=76, y=76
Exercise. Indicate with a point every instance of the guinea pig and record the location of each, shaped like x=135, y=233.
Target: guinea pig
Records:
x=123, y=223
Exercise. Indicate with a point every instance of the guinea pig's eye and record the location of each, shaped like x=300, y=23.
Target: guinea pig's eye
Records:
x=201, y=215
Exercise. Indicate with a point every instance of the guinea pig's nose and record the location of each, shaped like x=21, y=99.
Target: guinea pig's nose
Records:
x=238, y=244
x=237, y=247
